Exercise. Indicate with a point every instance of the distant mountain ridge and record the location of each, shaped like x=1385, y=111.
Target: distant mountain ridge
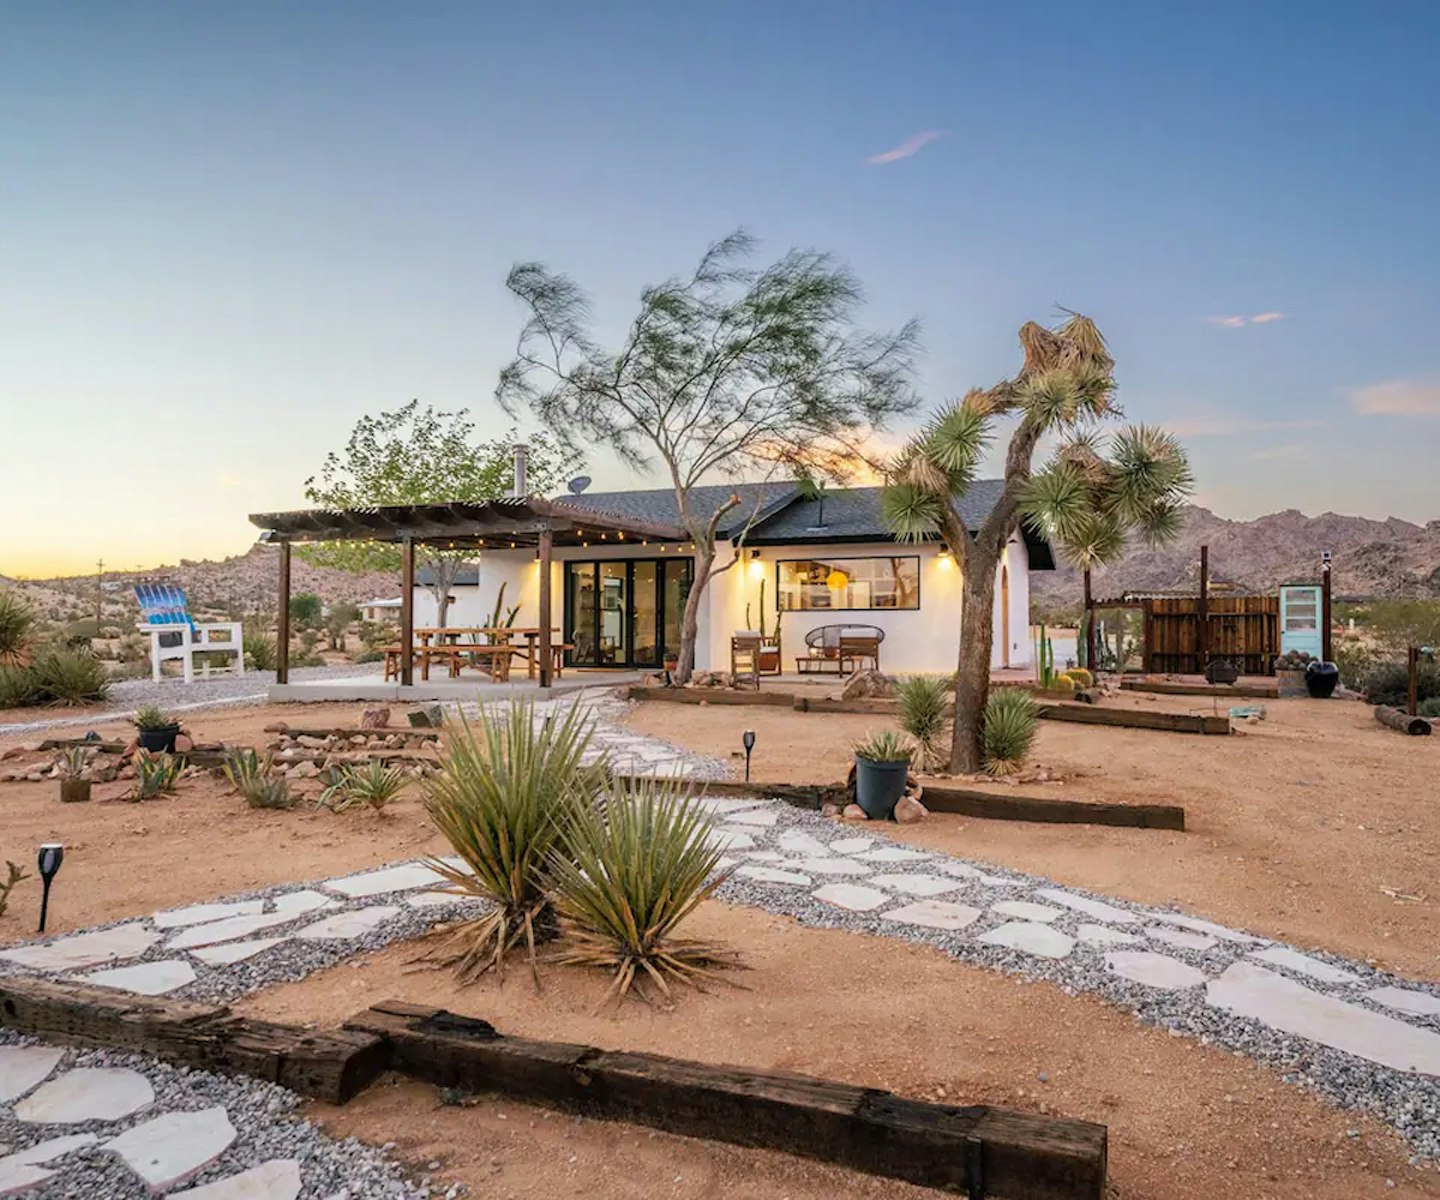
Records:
x=1390, y=558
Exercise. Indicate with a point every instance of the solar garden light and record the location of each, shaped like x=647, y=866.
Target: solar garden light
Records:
x=748, y=739
x=52, y=854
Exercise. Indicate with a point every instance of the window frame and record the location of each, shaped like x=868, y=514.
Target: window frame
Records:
x=843, y=558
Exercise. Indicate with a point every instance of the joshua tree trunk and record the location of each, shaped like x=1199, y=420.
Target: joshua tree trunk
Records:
x=972, y=675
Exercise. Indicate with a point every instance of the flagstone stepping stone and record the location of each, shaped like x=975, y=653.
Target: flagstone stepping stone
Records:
x=1153, y=970
x=772, y=875
x=23, y=1170
x=87, y=1094
x=349, y=925
x=428, y=899
x=278, y=1179
x=1303, y=964
x=197, y=914
x=722, y=805
x=233, y=952
x=1000, y=881
x=85, y=949
x=853, y=896
x=174, y=1147
x=1252, y=991
x=933, y=914
x=765, y=856
x=1103, y=935
x=1091, y=908
x=1031, y=938
x=22, y=1067
x=961, y=870
x=803, y=843
x=384, y=881
x=730, y=839
x=759, y=817
x=1199, y=926
x=1025, y=910
x=831, y=866
x=1421, y=1004
x=229, y=930
x=146, y=979
x=1182, y=938
x=893, y=854
x=851, y=845
x=304, y=901
x=916, y=885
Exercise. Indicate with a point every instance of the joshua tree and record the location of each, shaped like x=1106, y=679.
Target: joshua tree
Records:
x=730, y=370
x=1090, y=498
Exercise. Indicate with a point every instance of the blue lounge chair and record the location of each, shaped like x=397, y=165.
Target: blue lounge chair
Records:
x=174, y=633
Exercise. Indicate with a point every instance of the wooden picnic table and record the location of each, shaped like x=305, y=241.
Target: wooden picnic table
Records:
x=498, y=635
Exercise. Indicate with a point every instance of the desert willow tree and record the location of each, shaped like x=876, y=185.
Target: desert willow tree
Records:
x=1090, y=498
x=730, y=371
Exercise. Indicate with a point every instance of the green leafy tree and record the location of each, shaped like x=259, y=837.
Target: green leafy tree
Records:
x=305, y=608
x=1090, y=498
x=424, y=456
x=731, y=370
x=337, y=623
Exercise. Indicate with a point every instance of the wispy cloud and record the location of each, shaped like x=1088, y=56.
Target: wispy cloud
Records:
x=1286, y=452
x=1240, y=320
x=1231, y=426
x=910, y=146
x=1398, y=398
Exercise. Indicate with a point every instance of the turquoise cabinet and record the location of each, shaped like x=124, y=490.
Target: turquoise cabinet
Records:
x=1300, y=618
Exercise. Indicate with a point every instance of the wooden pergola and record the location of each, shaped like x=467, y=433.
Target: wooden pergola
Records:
x=493, y=525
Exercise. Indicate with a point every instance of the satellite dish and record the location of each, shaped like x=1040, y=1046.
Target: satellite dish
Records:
x=578, y=484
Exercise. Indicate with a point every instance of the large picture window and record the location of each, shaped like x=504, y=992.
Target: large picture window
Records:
x=892, y=581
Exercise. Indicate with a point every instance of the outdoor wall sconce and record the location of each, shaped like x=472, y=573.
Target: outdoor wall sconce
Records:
x=946, y=558
x=747, y=739
x=52, y=854
x=757, y=568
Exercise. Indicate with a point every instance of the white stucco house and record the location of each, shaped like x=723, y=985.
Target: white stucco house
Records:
x=623, y=597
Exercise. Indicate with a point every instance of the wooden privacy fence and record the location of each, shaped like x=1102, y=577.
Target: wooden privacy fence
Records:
x=1243, y=629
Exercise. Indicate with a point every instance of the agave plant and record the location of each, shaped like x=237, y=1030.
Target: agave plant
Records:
x=16, y=625
x=630, y=873
x=373, y=784
x=243, y=766
x=268, y=791
x=155, y=774
x=1009, y=729
x=73, y=762
x=503, y=798
x=924, y=702
x=70, y=676
x=885, y=747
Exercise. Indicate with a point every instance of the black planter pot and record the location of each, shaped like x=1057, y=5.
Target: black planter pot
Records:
x=159, y=741
x=879, y=786
x=1321, y=678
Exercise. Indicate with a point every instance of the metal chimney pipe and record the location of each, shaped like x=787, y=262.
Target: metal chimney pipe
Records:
x=522, y=461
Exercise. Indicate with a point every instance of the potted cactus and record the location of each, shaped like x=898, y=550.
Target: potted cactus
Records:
x=74, y=776
x=156, y=729
x=882, y=767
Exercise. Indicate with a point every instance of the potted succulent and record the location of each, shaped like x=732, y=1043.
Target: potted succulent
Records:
x=157, y=729
x=1290, y=672
x=74, y=776
x=882, y=767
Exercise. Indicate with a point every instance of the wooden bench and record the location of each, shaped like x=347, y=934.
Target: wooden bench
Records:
x=497, y=659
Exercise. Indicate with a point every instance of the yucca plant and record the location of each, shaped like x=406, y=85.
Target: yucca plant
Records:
x=924, y=702
x=18, y=687
x=373, y=784
x=885, y=747
x=17, y=623
x=503, y=798
x=630, y=872
x=155, y=774
x=1008, y=730
x=70, y=676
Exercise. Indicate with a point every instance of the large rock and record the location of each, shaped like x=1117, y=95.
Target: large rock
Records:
x=853, y=812
x=375, y=718
x=909, y=810
x=864, y=684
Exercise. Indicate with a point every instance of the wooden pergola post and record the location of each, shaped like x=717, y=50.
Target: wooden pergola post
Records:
x=407, y=611
x=547, y=545
x=282, y=617
x=1204, y=608
x=1327, y=621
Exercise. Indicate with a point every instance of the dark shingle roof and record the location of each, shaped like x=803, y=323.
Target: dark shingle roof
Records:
x=854, y=514
x=658, y=504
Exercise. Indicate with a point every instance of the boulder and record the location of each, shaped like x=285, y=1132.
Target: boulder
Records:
x=853, y=812
x=868, y=684
x=184, y=743
x=830, y=810
x=375, y=718
x=277, y=727
x=909, y=810
x=305, y=770
x=431, y=716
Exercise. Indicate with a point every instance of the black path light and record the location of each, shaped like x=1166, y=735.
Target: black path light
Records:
x=52, y=854
x=748, y=738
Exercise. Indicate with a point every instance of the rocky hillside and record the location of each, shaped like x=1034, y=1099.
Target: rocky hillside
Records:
x=1391, y=558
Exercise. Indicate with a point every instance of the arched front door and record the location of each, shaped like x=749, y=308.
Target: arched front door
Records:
x=1005, y=615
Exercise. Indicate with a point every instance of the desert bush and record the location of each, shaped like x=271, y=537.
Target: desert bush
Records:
x=629, y=873
x=260, y=646
x=1008, y=729
x=503, y=797
x=1429, y=708
x=305, y=608
x=924, y=702
x=368, y=656
x=17, y=627
x=306, y=660
x=1389, y=683
x=1355, y=660
x=155, y=774
x=372, y=784
x=19, y=688
x=70, y=677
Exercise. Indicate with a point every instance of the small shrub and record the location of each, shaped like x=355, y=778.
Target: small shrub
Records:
x=152, y=717
x=502, y=799
x=14, y=875
x=1429, y=708
x=630, y=872
x=373, y=784
x=924, y=702
x=261, y=653
x=368, y=656
x=305, y=608
x=307, y=660
x=1389, y=683
x=886, y=747
x=70, y=677
x=19, y=688
x=156, y=774
x=17, y=625
x=1008, y=729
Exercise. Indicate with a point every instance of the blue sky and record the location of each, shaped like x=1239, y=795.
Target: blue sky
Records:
x=226, y=231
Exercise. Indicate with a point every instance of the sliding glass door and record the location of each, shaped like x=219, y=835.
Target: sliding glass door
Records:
x=625, y=612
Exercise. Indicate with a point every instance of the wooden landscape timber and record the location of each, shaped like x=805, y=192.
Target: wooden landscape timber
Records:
x=943, y=797
x=1393, y=718
x=1180, y=687
x=1127, y=718
x=978, y=1150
